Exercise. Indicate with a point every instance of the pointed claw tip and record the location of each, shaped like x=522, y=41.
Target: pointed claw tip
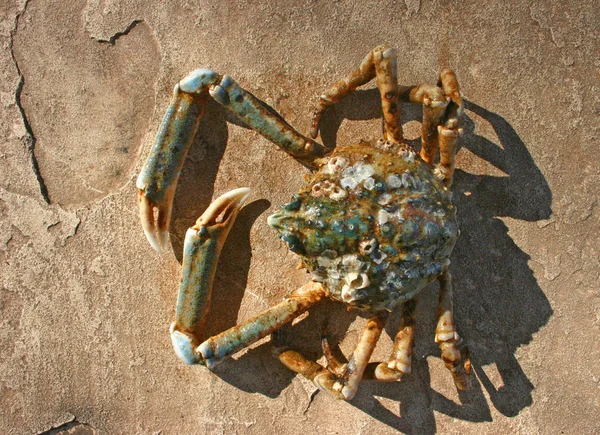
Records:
x=158, y=240
x=226, y=205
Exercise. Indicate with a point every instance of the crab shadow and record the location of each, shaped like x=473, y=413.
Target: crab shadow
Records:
x=498, y=303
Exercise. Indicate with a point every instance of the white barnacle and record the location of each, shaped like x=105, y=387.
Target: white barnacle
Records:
x=357, y=280
x=369, y=183
x=354, y=282
x=337, y=193
x=351, y=262
x=348, y=183
x=409, y=156
x=366, y=247
x=383, y=217
x=349, y=172
x=363, y=171
x=378, y=257
x=394, y=181
x=384, y=199
x=407, y=179
x=337, y=164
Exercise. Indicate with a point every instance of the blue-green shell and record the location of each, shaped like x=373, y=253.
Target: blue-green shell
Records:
x=374, y=225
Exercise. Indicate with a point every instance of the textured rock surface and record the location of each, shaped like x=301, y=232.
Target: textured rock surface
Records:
x=85, y=303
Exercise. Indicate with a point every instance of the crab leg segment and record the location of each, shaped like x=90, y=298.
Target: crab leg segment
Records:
x=202, y=247
x=387, y=82
x=342, y=386
x=363, y=75
x=234, y=339
x=266, y=121
x=434, y=104
x=446, y=337
x=158, y=179
x=381, y=63
x=450, y=130
x=399, y=363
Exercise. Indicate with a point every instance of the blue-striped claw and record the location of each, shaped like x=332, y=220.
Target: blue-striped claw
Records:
x=202, y=247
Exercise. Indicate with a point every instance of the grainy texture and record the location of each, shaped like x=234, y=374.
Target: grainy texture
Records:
x=85, y=303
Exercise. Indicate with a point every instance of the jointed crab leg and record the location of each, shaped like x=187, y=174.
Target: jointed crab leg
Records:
x=450, y=130
x=158, y=179
x=446, y=336
x=363, y=75
x=203, y=244
x=434, y=104
x=344, y=386
x=266, y=121
x=387, y=82
x=399, y=363
x=229, y=342
x=381, y=63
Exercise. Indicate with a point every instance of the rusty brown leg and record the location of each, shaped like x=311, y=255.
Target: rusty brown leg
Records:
x=446, y=337
x=399, y=363
x=387, y=81
x=345, y=386
x=363, y=75
x=434, y=103
x=381, y=63
x=450, y=130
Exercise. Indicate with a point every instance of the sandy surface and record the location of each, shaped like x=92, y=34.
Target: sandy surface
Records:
x=85, y=303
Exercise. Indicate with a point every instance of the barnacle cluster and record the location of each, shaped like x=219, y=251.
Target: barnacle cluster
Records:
x=373, y=225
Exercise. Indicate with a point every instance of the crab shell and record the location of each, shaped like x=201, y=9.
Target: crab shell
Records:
x=374, y=225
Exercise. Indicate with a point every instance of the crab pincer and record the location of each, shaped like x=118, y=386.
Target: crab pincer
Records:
x=202, y=246
x=158, y=179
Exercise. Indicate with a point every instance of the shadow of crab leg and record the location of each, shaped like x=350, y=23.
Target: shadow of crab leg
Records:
x=446, y=337
x=266, y=121
x=399, y=363
x=434, y=103
x=449, y=130
x=225, y=344
x=158, y=179
x=202, y=247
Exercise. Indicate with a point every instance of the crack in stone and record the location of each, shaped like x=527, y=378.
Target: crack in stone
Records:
x=117, y=35
x=72, y=427
x=30, y=140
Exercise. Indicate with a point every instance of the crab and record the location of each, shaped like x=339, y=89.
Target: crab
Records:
x=374, y=225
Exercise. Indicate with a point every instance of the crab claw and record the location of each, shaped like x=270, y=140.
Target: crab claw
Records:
x=158, y=179
x=202, y=247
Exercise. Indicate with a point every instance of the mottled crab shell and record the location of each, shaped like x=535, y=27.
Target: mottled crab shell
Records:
x=373, y=225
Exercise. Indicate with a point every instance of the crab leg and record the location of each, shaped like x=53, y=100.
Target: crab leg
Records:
x=387, y=81
x=361, y=76
x=266, y=121
x=446, y=336
x=434, y=103
x=344, y=386
x=450, y=130
x=158, y=179
x=202, y=247
x=399, y=363
x=381, y=63
x=238, y=337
